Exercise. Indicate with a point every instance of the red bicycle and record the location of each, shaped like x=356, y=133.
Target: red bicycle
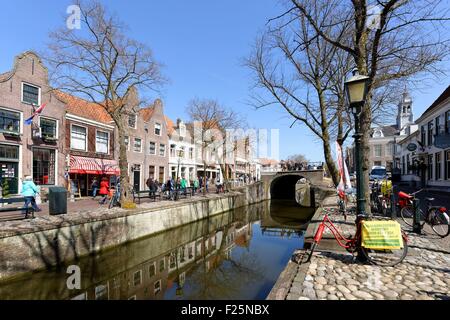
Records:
x=380, y=257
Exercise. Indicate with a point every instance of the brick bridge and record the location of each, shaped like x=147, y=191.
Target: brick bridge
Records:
x=281, y=184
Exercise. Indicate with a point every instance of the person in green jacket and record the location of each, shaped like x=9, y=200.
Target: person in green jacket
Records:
x=29, y=191
x=196, y=185
x=183, y=183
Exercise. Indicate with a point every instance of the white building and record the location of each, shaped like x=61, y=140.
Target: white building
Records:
x=432, y=157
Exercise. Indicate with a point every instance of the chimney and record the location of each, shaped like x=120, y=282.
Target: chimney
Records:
x=158, y=106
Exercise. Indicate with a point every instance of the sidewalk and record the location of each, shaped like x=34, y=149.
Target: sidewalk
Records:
x=333, y=275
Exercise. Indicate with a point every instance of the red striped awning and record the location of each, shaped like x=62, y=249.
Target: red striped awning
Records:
x=85, y=165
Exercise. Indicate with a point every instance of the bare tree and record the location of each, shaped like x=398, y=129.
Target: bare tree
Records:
x=210, y=122
x=389, y=40
x=101, y=64
x=300, y=158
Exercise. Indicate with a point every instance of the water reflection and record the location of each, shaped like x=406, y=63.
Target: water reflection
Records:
x=235, y=255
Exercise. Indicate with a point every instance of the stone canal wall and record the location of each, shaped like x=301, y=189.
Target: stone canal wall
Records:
x=53, y=244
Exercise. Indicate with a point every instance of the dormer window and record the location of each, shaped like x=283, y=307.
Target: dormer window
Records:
x=377, y=133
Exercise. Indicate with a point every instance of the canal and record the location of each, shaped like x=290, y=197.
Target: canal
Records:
x=235, y=255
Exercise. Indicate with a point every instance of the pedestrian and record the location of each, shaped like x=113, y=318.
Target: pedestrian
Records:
x=151, y=186
x=218, y=185
x=207, y=184
x=104, y=190
x=94, y=187
x=183, y=184
x=29, y=191
x=196, y=185
x=200, y=183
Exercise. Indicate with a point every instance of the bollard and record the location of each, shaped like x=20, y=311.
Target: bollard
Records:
x=416, y=220
x=393, y=205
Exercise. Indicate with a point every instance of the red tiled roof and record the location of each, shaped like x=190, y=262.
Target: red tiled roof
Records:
x=147, y=113
x=170, y=125
x=82, y=108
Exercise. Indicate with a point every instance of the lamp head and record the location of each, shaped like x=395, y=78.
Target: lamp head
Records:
x=356, y=88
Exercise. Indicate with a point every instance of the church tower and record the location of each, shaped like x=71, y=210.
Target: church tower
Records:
x=405, y=114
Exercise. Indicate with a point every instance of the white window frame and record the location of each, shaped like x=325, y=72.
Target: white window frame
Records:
x=31, y=85
x=156, y=291
x=48, y=118
x=140, y=278
x=56, y=163
x=128, y=146
x=87, y=137
x=159, y=152
x=149, y=149
x=154, y=266
x=20, y=117
x=134, y=145
x=160, y=129
x=107, y=147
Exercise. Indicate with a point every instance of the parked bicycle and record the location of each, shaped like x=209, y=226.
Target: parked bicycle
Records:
x=437, y=217
x=115, y=199
x=380, y=197
x=381, y=257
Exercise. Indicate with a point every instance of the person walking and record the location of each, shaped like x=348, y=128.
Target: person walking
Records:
x=29, y=191
x=94, y=187
x=104, y=190
x=207, y=184
x=196, y=185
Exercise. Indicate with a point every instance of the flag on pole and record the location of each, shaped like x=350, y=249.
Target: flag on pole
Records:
x=345, y=182
x=29, y=121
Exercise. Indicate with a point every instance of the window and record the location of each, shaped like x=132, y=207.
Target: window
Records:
x=30, y=94
x=191, y=153
x=9, y=121
x=158, y=129
x=9, y=152
x=430, y=133
x=152, y=148
x=436, y=124
x=173, y=260
x=48, y=128
x=447, y=165
x=44, y=166
x=423, y=135
x=157, y=287
x=137, y=278
x=389, y=149
x=162, y=265
x=162, y=150
x=151, y=172
x=137, y=145
x=161, y=174
x=403, y=165
x=102, y=142
x=447, y=121
x=132, y=121
x=377, y=150
x=438, y=165
x=127, y=142
x=408, y=168
x=172, y=150
x=78, y=137
x=430, y=167
x=152, y=270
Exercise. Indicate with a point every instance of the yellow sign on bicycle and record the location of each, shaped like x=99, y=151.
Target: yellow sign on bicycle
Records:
x=382, y=235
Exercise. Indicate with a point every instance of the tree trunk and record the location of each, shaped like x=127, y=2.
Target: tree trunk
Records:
x=126, y=199
x=330, y=163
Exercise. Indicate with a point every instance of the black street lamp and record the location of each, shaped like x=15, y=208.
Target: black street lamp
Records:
x=356, y=88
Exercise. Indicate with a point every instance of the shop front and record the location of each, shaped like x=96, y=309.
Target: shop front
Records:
x=83, y=170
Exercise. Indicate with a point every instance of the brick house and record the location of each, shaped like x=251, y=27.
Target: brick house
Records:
x=147, y=141
x=90, y=144
x=35, y=149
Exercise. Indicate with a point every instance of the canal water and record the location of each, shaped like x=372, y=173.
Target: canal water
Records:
x=235, y=255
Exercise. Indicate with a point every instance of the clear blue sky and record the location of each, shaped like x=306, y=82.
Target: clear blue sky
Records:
x=201, y=43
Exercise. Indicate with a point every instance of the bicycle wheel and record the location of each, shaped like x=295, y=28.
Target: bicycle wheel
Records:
x=113, y=201
x=439, y=222
x=311, y=251
x=407, y=214
x=386, y=257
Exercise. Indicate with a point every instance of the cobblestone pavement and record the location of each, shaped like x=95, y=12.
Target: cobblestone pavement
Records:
x=334, y=275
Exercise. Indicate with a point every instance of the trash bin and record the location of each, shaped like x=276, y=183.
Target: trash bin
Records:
x=57, y=198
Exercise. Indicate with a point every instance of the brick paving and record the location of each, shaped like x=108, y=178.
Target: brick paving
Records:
x=335, y=275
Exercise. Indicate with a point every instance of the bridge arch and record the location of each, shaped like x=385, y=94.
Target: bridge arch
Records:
x=282, y=186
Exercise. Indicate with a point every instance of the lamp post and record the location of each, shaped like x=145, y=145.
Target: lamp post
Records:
x=356, y=88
